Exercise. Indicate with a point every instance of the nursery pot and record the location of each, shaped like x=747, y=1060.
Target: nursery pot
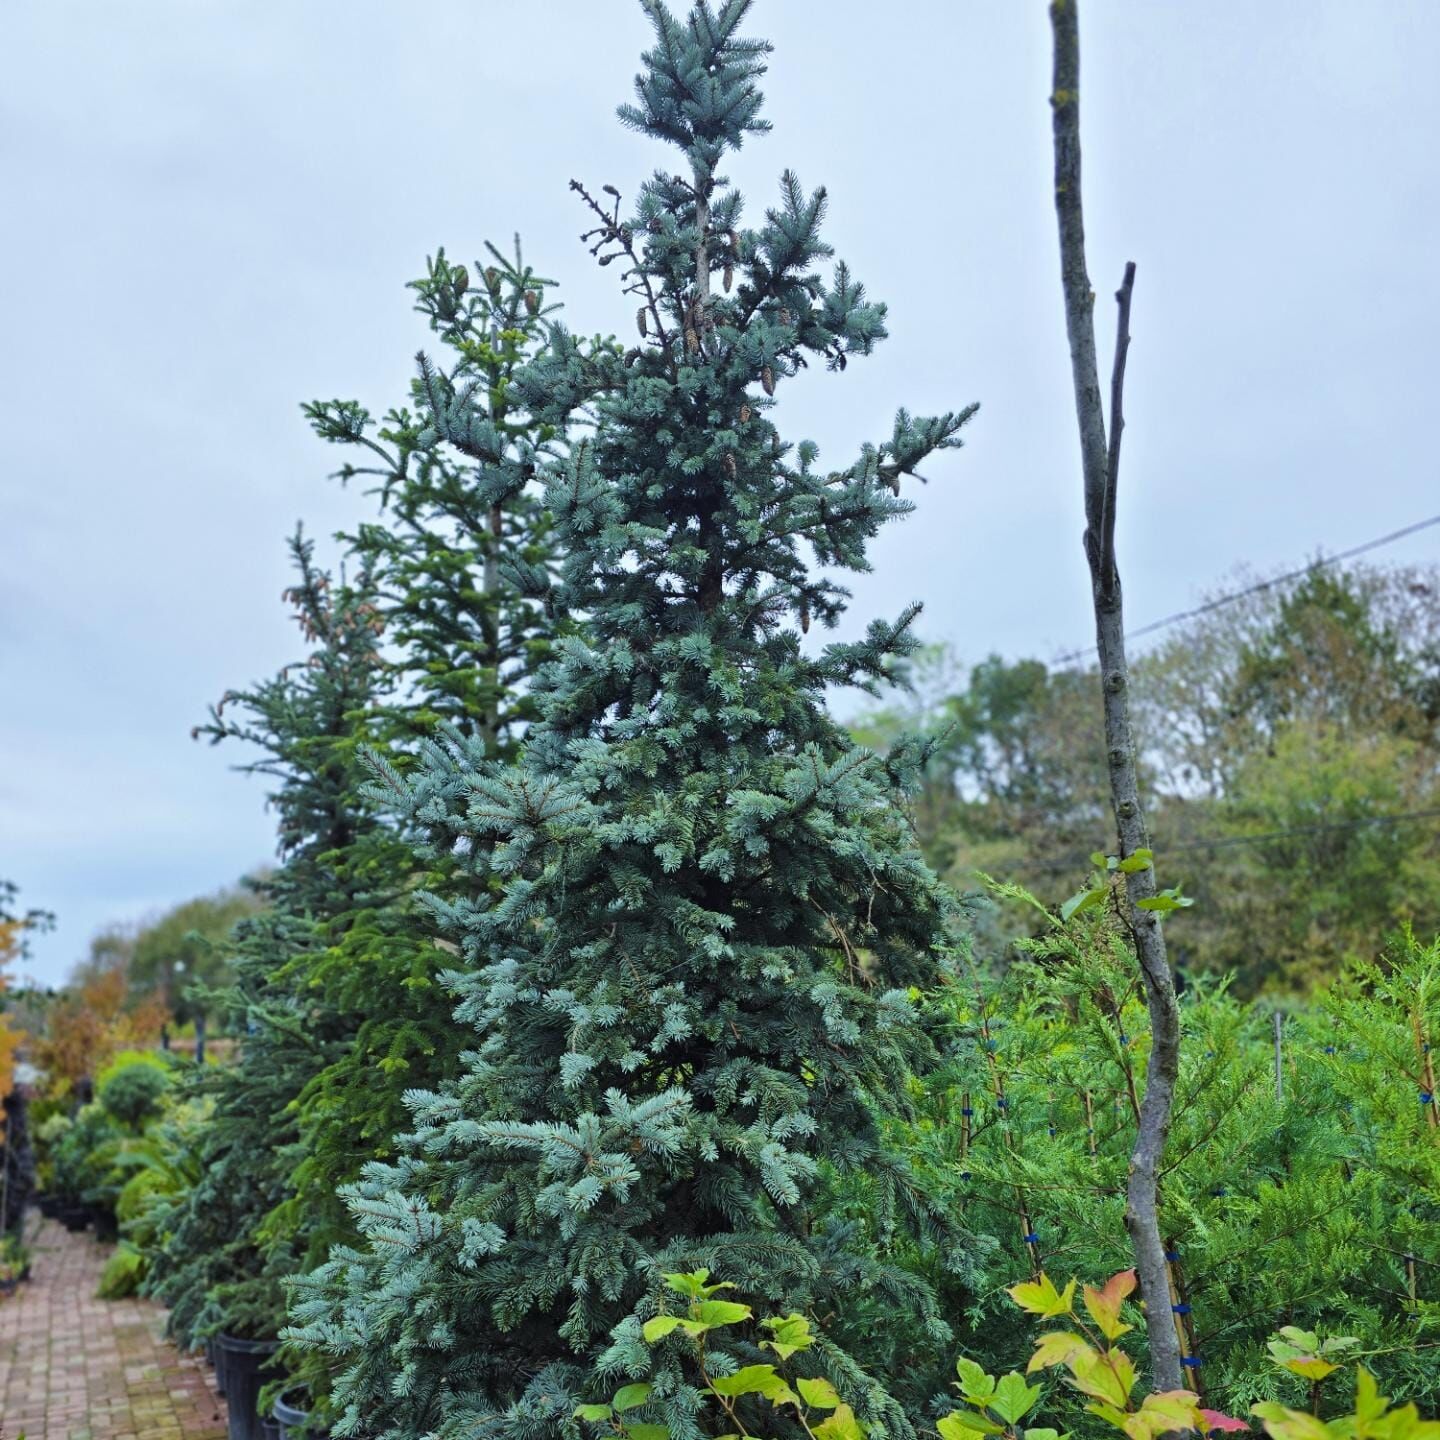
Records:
x=291, y=1415
x=49, y=1206
x=107, y=1228
x=216, y=1357
x=247, y=1366
x=269, y=1429
x=74, y=1216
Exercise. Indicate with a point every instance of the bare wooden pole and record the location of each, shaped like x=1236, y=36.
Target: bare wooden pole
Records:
x=1101, y=468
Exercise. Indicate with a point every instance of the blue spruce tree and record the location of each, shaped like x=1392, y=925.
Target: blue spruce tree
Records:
x=695, y=922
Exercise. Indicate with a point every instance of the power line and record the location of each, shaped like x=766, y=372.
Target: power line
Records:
x=1231, y=841
x=1285, y=579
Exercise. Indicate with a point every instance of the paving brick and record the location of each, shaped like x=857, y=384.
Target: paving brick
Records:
x=73, y=1367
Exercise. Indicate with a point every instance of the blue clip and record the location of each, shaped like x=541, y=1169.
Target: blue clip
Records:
x=1193, y=1361
x=1181, y=1309
x=1032, y=1238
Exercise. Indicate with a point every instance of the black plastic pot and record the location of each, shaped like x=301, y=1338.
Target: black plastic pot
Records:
x=74, y=1217
x=269, y=1429
x=216, y=1358
x=107, y=1228
x=248, y=1366
x=49, y=1205
x=293, y=1418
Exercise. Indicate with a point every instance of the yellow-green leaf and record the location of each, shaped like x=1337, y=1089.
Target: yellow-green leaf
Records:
x=840, y=1424
x=711, y=1313
x=643, y=1430
x=976, y=1385
x=1040, y=1297
x=1013, y=1397
x=1104, y=1305
x=1312, y=1367
x=592, y=1412
x=754, y=1380
x=966, y=1425
x=790, y=1332
x=1108, y=1377
x=818, y=1393
x=1282, y=1423
x=1056, y=1348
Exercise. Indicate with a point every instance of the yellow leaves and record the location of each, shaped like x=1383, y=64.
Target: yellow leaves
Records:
x=1109, y=1377
x=761, y=1380
x=1104, y=1304
x=788, y=1333
x=1059, y=1347
x=1040, y=1297
x=966, y=1425
x=1282, y=1423
x=840, y=1424
x=1162, y=1413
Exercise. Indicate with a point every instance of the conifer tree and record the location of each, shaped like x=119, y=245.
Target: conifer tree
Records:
x=220, y=1268
x=460, y=520
x=696, y=921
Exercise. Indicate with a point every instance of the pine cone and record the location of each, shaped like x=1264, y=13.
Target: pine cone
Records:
x=692, y=340
x=729, y=466
x=805, y=617
x=492, y=281
x=640, y=322
x=767, y=380
x=532, y=302
x=728, y=278
x=461, y=279
x=744, y=414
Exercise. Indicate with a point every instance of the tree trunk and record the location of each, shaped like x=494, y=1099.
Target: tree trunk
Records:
x=1101, y=465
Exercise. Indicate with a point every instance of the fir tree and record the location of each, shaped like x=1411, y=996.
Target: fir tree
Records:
x=220, y=1267
x=696, y=920
x=460, y=521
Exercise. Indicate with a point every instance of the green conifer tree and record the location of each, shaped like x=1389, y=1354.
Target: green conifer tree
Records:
x=696, y=921
x=220, y=1268
x=460, y=520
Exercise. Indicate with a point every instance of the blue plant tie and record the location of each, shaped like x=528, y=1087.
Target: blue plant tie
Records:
x=1032, y=1238
x=964, y=1174
x=1218, y=1190
x=1181, y=1309
x=1172, y=1254
x=1329, y=1049
x=1001, y=1103
x=1209, y=1054
x=1426, y=1098
x=1052, y=1130
x=1124, y=1038
x=1193, y=1361
x=967, y=1110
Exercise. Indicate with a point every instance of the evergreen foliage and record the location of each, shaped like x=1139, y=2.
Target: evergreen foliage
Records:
x=692, y=917
x=220, y=1267
x=1313, y=1207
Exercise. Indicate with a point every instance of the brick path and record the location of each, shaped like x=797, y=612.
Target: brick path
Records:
x=76, y=1368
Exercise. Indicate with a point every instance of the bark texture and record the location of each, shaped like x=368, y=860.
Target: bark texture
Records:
x=1101, y=468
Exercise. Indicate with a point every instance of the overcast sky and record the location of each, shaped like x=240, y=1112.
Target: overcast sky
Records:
x=211, y=208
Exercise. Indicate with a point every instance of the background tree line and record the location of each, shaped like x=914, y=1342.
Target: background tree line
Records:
x=1291, y=761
